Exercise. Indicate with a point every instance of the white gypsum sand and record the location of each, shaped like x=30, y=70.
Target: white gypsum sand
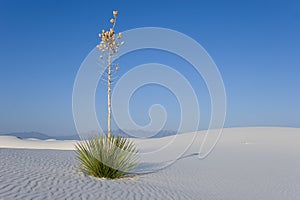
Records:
x=247, y=163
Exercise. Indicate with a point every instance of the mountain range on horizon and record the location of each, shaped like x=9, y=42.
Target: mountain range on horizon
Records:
x=40, y=136
x=43, y=136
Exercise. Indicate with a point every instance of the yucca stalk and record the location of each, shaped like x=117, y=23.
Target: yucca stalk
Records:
x=109, y=46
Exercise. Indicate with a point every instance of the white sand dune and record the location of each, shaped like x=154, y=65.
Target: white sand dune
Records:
x=32, y=143
x=247, y=163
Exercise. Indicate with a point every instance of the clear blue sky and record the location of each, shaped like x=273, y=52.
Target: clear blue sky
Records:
x=255, y=44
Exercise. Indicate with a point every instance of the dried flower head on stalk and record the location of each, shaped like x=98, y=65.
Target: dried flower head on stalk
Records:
x=109, y=39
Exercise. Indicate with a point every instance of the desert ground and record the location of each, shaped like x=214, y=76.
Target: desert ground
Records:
x=247, y=163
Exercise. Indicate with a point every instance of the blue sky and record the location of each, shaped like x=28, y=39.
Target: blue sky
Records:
x=255, y=44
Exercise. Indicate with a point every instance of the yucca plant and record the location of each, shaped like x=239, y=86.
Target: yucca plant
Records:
x=106, y=158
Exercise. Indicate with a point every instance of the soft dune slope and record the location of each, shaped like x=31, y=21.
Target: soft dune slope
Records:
x=14, y=142
x=247, y=163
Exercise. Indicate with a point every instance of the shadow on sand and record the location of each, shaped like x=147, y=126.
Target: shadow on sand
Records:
x=148, y=168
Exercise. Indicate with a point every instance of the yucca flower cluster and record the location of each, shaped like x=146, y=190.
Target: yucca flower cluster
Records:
x=109, y=39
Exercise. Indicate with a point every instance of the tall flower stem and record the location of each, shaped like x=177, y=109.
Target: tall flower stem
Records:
x=109, y=46
x=109, y=98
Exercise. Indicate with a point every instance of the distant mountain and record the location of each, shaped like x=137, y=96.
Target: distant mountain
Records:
x=42, y=136
x=25, y=135
x=144, y=134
